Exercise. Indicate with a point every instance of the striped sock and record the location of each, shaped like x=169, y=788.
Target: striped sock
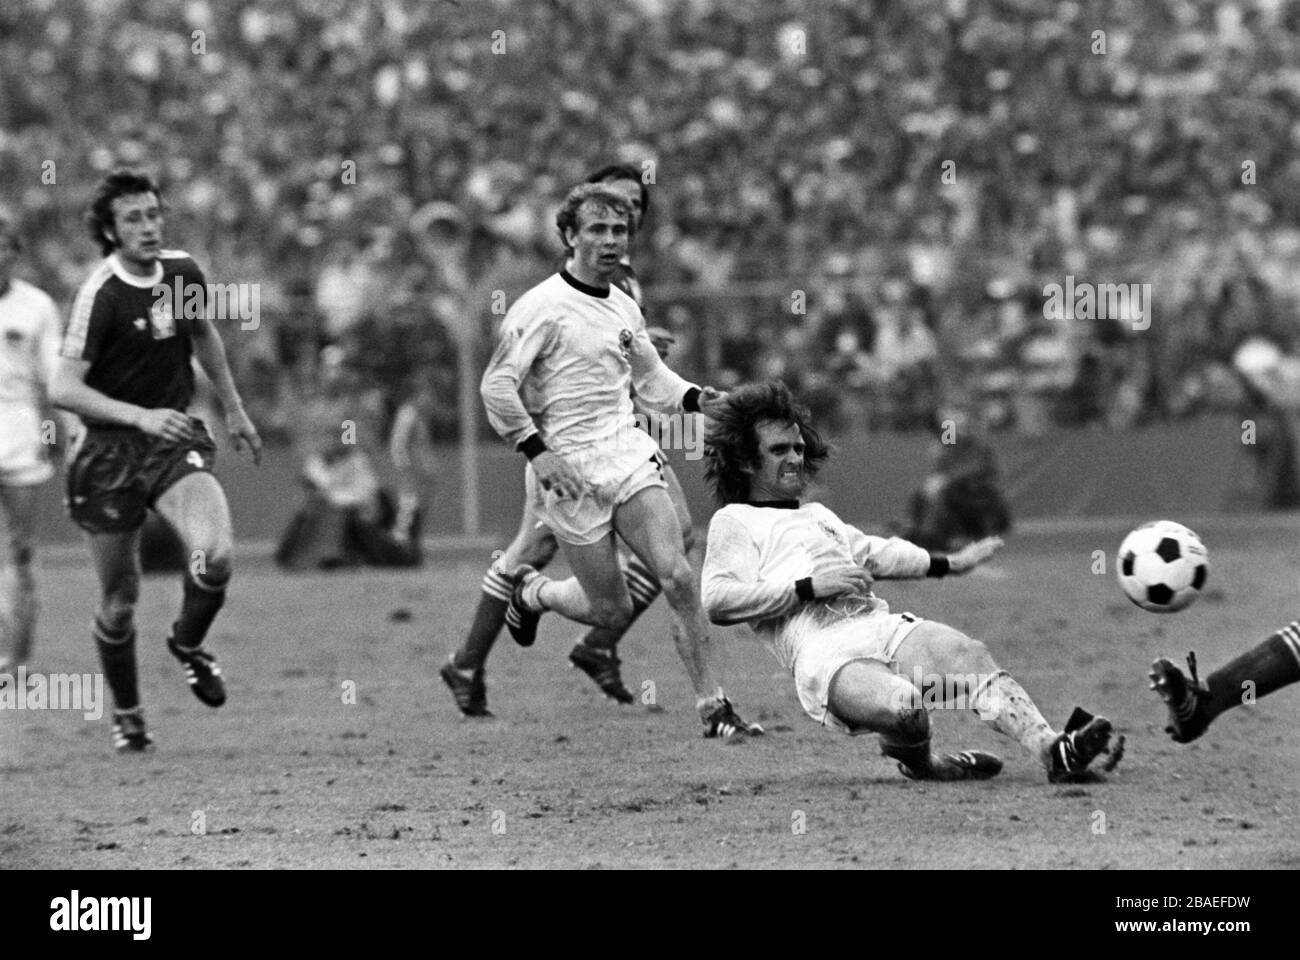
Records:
x=497, y=585
x=644, y=588
x=489, y=618
x=641, y=584
x=1266, y=667
x=117, y=655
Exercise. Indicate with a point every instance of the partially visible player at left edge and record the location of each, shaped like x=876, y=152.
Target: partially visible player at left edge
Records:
x=125, y=369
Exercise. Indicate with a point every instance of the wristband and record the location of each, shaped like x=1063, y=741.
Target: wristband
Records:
x=803, y=589
x=691, y=400
x=531, y=446
x=939, y=567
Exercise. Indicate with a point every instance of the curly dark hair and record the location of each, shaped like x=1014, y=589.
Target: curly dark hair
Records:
x=119, y=183
x=731, y=442
x=567, y=218
x=622, y=171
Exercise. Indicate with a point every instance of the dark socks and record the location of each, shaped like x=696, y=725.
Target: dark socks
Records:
x=489, y=618
x=198, y=609
x=117, y=655
x=1266, y=667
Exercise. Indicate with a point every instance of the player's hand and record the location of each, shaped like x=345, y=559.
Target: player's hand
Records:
x=849, y=578
x=557, y=474
x=244, y=435
x=973, y=554
x=169, y=424
x=712, y=402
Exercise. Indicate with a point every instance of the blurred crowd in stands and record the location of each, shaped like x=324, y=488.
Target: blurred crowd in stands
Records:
x=866, y=198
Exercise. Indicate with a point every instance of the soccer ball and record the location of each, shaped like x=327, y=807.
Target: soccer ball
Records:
x=1162, y=566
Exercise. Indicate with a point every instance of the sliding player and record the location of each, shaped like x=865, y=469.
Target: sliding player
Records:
x=802, y=578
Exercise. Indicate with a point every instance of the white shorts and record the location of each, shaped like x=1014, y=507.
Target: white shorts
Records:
x=823, y=645
x=610, y=479
x=24, y=459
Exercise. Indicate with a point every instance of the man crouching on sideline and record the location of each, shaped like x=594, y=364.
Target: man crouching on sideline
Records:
x=801, y=578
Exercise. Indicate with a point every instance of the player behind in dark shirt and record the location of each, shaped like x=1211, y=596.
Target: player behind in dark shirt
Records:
x=125, y=369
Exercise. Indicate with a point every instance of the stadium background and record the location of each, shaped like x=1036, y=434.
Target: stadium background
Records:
x=797, y=150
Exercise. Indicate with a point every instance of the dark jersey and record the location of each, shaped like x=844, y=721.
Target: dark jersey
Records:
x=136, y=331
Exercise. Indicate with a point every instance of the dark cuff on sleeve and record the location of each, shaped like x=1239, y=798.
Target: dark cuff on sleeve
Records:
x=532, y=446
x=939, y=567
x=691, y=401
x=803, y=589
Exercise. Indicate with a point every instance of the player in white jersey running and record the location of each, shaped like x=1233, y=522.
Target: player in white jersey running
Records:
x=802, y=579
x=29, y=347
x=558, y=389
x=595, y=654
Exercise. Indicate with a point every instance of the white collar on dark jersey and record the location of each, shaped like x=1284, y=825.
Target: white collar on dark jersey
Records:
x=131, y=279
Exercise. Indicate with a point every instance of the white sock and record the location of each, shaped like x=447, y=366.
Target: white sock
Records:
x=1002, y=703
x=532, y=592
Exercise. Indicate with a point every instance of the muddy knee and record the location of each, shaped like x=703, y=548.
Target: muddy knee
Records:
x=910, y=725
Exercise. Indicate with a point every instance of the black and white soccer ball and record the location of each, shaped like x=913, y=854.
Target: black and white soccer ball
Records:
x=1162, y=566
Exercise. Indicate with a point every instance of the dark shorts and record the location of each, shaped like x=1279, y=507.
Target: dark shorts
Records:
x=118, y=474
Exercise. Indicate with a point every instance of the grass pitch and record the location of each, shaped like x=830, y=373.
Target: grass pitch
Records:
x=340, y=747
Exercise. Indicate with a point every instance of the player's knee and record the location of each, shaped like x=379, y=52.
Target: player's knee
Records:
x=910, y=724
x=117, y=608
x=211, y=565
x=213, y=576
x=675, y=576
x=974, y=658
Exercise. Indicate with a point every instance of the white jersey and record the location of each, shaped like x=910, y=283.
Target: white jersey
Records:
x=755, y=555
x=568, y=358
x=29, y=346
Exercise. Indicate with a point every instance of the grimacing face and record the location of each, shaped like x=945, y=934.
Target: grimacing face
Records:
x=779, y=473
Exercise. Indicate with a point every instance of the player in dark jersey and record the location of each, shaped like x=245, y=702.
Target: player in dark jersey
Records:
x=125, y=369
x=596, y=653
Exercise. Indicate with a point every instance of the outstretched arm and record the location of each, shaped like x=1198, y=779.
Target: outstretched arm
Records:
x=894, y=558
